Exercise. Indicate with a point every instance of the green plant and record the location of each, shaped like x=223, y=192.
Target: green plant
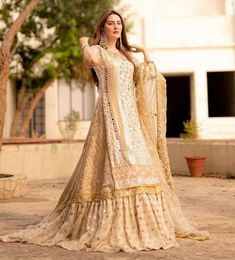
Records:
x=69, y=125
x=191, y=135
x=190, y=131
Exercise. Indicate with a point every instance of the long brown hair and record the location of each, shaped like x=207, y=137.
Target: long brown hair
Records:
x=100, y=27
x=122, y=45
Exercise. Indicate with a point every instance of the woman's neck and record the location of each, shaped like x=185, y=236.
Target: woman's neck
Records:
x=112, y=44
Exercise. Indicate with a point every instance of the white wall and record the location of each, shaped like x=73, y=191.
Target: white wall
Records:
x=58, y=103
x=190, y=32
x=180, y=8
x=190, y=37
x=41, y=161
x=57, y=160
x=72, y=96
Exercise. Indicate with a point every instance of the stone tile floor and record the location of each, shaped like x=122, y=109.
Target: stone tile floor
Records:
x=209, y=203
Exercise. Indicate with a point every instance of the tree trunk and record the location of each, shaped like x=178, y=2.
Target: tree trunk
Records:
x=18, y=116
x=4, y=72
x=19, y=109
x=32, y=107
x=5, y=59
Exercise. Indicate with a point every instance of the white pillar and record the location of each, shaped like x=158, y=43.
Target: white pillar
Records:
x=200, y=99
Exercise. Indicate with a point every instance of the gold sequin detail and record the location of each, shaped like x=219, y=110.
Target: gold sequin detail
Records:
x=117, y=193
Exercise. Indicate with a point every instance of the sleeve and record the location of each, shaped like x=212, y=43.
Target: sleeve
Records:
x=97, y=52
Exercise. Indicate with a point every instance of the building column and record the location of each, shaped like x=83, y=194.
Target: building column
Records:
x=200, y=100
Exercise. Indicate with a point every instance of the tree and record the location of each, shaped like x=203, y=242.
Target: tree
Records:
x=5, y=58
x=47, y=48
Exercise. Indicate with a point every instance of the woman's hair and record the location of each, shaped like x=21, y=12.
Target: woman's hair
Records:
x=100, y=28
x=122, y=44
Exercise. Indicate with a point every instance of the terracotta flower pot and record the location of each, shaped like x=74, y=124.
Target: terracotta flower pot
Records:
x=195, y=165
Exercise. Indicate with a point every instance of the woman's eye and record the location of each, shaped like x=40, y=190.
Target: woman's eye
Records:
x=113, y=23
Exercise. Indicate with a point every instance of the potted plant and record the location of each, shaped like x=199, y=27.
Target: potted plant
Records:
x=69, y=125
x=190, y=135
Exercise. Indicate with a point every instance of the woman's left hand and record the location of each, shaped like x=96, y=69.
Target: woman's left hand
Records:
x=137, y=48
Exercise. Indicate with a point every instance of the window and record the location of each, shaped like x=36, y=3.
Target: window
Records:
x=178, y=103
x=72, y=97
x=221, y=93
x=37, y=123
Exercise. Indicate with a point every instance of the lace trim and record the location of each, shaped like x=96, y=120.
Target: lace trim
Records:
x=118, y=193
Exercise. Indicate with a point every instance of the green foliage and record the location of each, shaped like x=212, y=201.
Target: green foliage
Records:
x=190, y=132
x=71, y=119
x=69, y=125
x=48, y=43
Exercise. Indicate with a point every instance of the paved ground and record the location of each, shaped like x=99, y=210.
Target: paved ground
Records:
x=209, y=203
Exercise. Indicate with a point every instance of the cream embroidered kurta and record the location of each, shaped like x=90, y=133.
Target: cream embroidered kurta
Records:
x=121, y=194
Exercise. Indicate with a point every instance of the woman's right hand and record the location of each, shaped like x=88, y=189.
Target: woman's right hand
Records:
x=84, y=41
x=91, y=58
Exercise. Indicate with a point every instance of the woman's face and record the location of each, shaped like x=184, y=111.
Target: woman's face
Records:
x=113, y=27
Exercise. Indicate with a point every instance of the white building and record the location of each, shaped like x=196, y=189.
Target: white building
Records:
x=192, y=43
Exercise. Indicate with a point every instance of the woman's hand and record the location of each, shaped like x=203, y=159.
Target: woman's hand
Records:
x=137, y=48
x=84, y=41
x=90, y=57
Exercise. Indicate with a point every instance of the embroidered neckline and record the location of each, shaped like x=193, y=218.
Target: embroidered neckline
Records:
x=117, y=54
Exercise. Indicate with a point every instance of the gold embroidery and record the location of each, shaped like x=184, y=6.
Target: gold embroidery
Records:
x=126, y=206
x=107, y=162
x=118, y=193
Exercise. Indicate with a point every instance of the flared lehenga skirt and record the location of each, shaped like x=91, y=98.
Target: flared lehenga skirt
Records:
x=140, y=218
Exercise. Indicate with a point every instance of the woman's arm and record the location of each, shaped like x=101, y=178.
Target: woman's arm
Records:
x=91, y=58
x=139, y=48
x=146, y=56
x=149, y=69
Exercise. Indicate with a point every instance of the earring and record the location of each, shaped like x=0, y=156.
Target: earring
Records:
x=103, y=41
x=120, y=42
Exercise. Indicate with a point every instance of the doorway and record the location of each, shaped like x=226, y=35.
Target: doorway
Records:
x=178, y=103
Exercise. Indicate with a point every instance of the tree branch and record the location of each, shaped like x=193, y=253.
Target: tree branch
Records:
x=5, y=59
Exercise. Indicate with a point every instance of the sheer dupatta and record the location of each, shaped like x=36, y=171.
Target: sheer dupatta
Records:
x=151, y=101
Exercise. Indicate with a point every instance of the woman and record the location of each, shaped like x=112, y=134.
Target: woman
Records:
x=121, y=194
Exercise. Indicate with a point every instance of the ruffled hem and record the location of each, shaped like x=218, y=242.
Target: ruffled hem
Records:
x=139, y=222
